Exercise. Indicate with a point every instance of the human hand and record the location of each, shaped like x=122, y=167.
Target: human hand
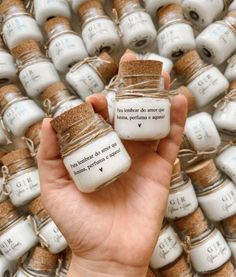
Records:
x=112, y=232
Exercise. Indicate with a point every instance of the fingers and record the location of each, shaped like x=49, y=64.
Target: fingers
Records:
x=99, y=103
x=168, y=147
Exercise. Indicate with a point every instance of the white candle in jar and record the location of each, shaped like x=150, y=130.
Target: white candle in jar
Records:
x=45, y=9
x=89, y=165
x=7, y=68
x=7, y=268
x=230, y=71
x=167, y=249
x=152, y=6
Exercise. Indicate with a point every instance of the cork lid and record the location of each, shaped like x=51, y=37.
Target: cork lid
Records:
x=229, y=226
x=126, y=6
x=24, y=48
x=16, y=155
x=192, y=104
x=56, y=25
x=7, y=94
x=36, y=208
x=193, y=224
x=42, y=260
x=90, y=9
x=227, y=270
x=105, y=66
x=204, y=174
x=231, y=18
x=8, y=7
x=169, y=13
x=150, y=273
x=7, y=213
x=34, y=133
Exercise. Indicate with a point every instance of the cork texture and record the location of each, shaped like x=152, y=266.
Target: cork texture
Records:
x=169, y=13
x=34, y=133
x=150, y=273
x=126, y=6
x=227, y=270
x=22, y=48
x=7, y=213
x=60, y=22
x=11, y=6
x=192, y=105
x=89, y=9
x=15, y=155
x=229, y=226
x=36, y=208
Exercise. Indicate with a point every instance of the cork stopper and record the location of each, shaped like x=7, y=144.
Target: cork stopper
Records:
x=227, y=270
x=232, y=85
x=192, y=225
x=90, y=9
x=8, y=213
x=150, y=273
x=229, y=226
x=123, y=7
x=138, y=71
x=105, y=67
x=7, y=94
x=34, y=132
x=56, y=25
x=169, y=13
x=25, y=48
x=8, y=7
x=180, y=267
x=192, y=104
x=204, y=174
x=36, y=208
x=231, y=18
x=42, y=260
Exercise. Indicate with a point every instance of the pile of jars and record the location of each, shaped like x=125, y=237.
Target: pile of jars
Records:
x=48, y=68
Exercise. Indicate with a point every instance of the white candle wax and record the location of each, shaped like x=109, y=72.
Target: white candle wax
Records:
x=24, y=188
x=201, y=132
x=211, y=253
x=216, y=43
x=99, y=35
x=220, y=203
x=152, y=5
x=21, y=115
x=138, y=30
x=167, y=63
x=85, y=81
x=98, y=163
x=20, y=28
x=17, y=240
x=182, y=201
x=202, y=13
x=37, y=77
x=208, y=86
x=232, y=245
x=167, y=249
x=67, y=106
x=226, y=161
x=53, y=236
x=66, y=50
x=230, y=71
x=45, y=9
x=142, y=118
x=6, y=267
x=175, y=40
x=7, y=68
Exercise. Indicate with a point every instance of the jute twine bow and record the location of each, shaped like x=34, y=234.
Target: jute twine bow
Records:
x=6, y=175
x=114, y=84
x=229, y=144
x=30, y=145
x=196, y=154
x=59, y=268
x=229, y=96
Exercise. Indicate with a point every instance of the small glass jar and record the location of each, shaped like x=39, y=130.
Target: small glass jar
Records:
x=65, y=47
x=168, y=248
x=152, y=6
x=18, y=25
x=36, y=72
x=229, y=228
x=200, y=133
x=175, y=35
x=226, y=162
x=92, y=152
x=142, y=108
x=182, y=200
x=7, y=268
x=57, y=99
x=230, y=71
x=49, y=234
x=136, y=26
x=201, y=14
x=18, y=112
x=46, y=9
x=91, y=75
x=99, y=32
x=225, y=113
x=204, y=81
x=21, y=177
x=32, y=138
x=16, y=234
x=217, y=42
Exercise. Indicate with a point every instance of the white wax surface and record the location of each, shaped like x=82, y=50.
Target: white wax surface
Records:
x=7, y=68
x=98, y=163
x=153, y=5
x=85, y=81
x=20, y=28
x=175, y=40
x=181, y=203
x=21, y=115
x=37, y=77
x=221, y=203
x=45, y=9
x=54, y=238
x=208, y=86
x=232, y=245
x=138, y=30
x=100, y=34
x=226, y=161
x=13, y=244
x=211, y=254
x=142, y=118
x=220, y=42
x=67, y=106
x=6, y=267
x=66, y=50
x=230, y=71
x=167, y=250
x=201, y=132
x=24, y=188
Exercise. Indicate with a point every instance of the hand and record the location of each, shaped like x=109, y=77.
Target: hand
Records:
x=112, y=232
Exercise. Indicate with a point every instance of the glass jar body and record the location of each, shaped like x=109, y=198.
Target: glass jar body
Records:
x=7, y=68
x=230, y=71
x=232, y=245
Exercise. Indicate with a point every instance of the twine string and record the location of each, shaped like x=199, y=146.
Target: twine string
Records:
x=59, y=268
x=229, y=144
x=5, y=174
x=222, y=103
x=195, y=154
x=28, y=58
x=30, y=145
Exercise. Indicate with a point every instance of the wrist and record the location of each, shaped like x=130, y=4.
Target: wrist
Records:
x=87, y=268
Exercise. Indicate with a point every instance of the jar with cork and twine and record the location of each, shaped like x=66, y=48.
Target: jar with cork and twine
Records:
x=229, y=231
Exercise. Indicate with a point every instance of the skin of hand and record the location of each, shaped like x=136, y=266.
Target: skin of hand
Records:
x=112, y=232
